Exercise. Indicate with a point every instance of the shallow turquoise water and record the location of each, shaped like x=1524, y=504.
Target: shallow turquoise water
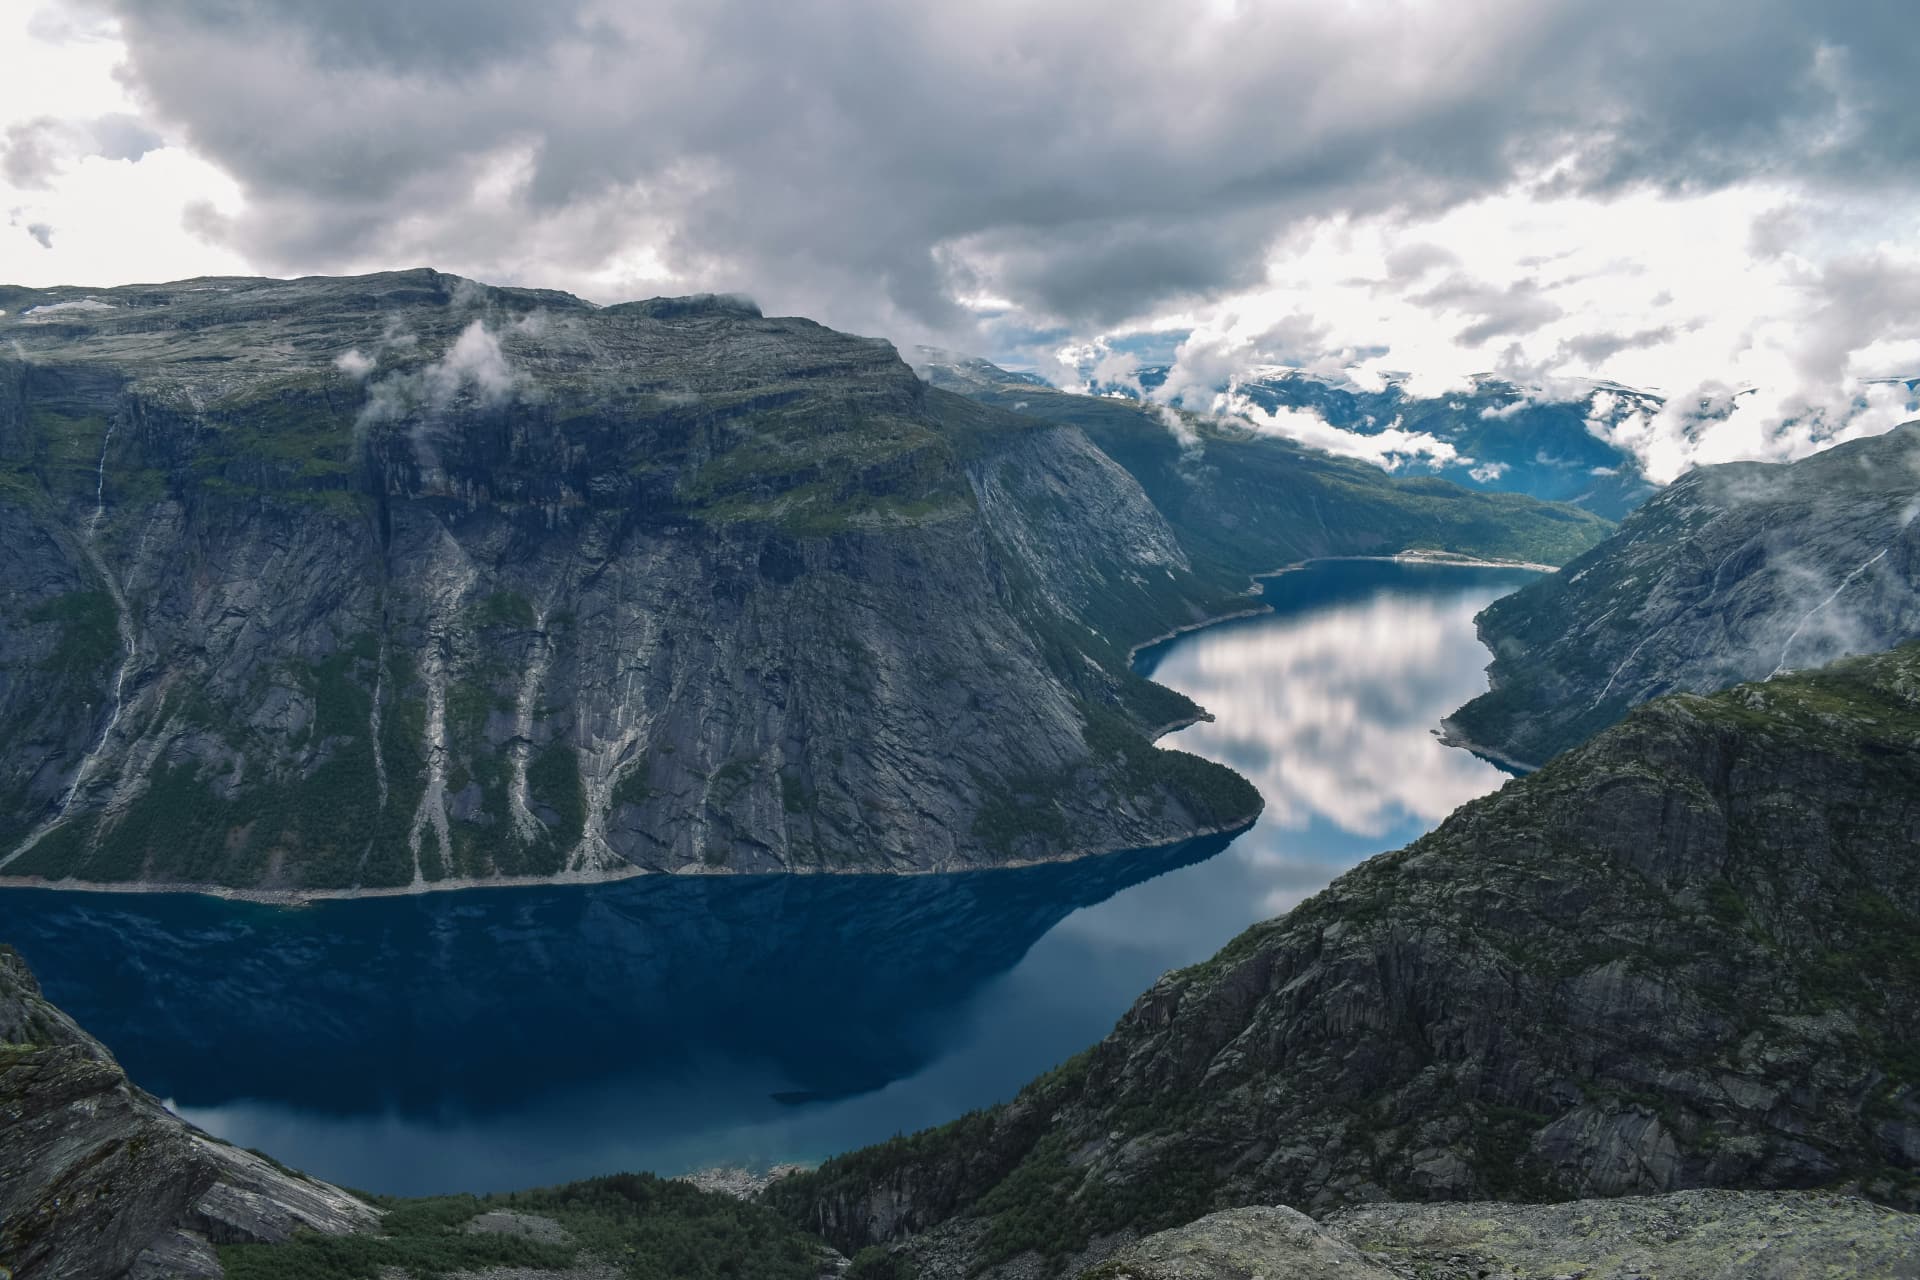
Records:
x=513, y=1037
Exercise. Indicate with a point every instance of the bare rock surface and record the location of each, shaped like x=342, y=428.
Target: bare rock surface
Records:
x=1689, y=1235
x=99, y=1181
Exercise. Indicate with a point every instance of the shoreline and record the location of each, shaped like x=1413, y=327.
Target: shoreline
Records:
x=293, y=899
x=1440, y=559
x=296, y=898
x=1448, y=737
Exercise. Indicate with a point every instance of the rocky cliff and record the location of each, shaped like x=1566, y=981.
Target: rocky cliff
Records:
x=1678, y=957
x=401, y=581
x=98, y=1181
x=1733, y=573
x=1257, y=500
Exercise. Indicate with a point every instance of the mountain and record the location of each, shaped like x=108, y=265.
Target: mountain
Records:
x=1505, y=439
x=98, y=1180
x=1241, y=502
x=1680, y=956
x=1734, y=572
x=395, y=581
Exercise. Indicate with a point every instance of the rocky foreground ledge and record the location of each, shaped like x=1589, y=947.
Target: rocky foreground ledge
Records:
x=98, y=1180
x=1691, y=1235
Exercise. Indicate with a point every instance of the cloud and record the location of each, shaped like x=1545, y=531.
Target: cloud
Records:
x=1597, y=348
x=36, y=151
x=42, y=232
x=877, y=166
x=474, y=371
x=1387, y=449
x=1183, y=432
x=355, y=363
x=1520, y=307
x=1671, y=196
x=1412, y=262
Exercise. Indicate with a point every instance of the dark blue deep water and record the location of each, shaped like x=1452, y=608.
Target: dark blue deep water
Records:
x=512, y=1037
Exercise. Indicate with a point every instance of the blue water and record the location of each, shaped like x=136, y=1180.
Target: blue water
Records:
x=512, y=1037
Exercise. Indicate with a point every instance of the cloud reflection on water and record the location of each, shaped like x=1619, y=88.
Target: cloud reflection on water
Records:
x=1330, y=714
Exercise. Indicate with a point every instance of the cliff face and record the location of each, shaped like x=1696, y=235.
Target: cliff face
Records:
x=401, y=580
x=1680, y=956
x=1245, y=502
x=1732, y=573
x=99, y=1181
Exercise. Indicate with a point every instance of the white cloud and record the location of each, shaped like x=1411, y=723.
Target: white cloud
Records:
x=355, y=363
x=98, y=206
x=474, y=368
x=1828, y=299
x=1387, y=449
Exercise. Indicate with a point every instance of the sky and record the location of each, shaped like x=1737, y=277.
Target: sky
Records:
x=1711, y=199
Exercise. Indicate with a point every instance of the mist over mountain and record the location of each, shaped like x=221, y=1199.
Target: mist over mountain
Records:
x=1744, y=571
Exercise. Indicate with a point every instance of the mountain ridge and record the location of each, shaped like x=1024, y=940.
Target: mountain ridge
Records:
x=1735, y=572
x=1676, y=957
x=568, y=590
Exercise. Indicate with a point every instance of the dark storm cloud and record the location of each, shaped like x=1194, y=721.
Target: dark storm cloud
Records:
x=869, y=162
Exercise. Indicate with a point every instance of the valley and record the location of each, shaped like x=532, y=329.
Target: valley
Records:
x=669, y=1023
x=464, y=743
x=573, y=592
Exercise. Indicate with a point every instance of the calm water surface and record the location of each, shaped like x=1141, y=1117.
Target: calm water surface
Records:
x=513, y=1037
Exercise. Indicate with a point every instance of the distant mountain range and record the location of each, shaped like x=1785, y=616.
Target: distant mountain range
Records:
x=1505, y=439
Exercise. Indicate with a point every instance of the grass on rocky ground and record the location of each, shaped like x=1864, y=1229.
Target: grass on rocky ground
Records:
x=650, y=1228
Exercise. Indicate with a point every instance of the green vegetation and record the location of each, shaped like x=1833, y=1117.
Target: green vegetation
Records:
x=876, y=1263
x=67, y=447
x=816, y=474
x=649, y=1228
x=634, y=788
x=1023, y=808
x=797, y=797
x=1032, y=808
x=1260, y=503
x=553, y=780
x=89, y=635
x=505, y=609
